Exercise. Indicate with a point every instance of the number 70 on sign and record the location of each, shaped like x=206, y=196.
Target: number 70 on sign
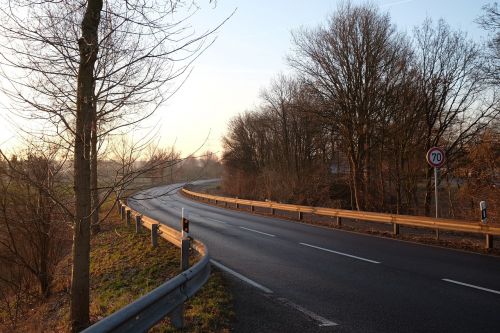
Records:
x=435, y=157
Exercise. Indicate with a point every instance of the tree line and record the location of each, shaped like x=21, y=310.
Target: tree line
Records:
x=351, y=125
x=83, y=74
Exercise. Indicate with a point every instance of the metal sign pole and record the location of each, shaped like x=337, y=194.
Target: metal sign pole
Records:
x=436, y=190
x=436, y=197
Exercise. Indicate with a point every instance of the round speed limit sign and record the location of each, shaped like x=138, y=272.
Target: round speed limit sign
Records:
x=435, y=157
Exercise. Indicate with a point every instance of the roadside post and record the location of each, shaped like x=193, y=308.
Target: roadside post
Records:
x=484, y=220
x=436, y=157
x=177, y=316
x=482, y=206
x=185, y=240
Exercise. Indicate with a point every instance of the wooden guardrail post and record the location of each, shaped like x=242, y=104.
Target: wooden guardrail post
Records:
x=395, y=228
x=252, y=208
x=272, y=211
x=339, y=221
x=128, y=216
x=301, y=215
x=237, y=205
x=437, y=234
x=489, y=241
x=138, y=223
x=154, y=234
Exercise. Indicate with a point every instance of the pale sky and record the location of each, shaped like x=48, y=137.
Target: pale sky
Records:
x=251, y=48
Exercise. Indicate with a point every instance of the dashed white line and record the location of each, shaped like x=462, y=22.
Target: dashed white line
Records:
x=472, y=286
x=259, y=232
x=341, y=253
x=241, y=277
x=215, y=220
x=323, y=322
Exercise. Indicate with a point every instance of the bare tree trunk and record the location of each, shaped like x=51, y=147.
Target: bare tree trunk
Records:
x=428, y=192
x=355, y=176
x=88, y=48
x=95, y=226
x=43, y=274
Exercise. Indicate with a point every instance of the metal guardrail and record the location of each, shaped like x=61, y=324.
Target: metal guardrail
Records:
x=167, y=299
x=396, y=220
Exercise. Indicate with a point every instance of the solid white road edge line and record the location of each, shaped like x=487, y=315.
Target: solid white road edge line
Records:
x=241, y=277
x=472, y=286
x=341, y=253
x=323, y=322
x=259, y=232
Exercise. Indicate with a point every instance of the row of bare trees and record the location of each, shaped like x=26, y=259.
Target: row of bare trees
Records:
x=352, y=126
x=37, y=208
x=82, y=73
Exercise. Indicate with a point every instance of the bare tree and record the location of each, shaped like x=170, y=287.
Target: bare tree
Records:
x=490, y=21
x=125, y=55
x=353, y=63
x=457, y=103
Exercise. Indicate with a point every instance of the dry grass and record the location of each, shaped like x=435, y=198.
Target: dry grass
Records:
x=124, y=267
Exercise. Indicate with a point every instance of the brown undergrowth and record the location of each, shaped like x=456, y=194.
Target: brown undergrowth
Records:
x=124, y=267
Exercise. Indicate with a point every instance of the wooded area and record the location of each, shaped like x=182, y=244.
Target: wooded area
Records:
x=85, y=74
x=351, y=127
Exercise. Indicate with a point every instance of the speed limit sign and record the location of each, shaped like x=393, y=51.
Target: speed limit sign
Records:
x=435, y=157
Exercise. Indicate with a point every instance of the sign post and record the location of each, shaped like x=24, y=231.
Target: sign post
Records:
x=436, y=157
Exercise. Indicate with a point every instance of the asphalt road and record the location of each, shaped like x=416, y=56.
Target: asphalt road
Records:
x=341, y=281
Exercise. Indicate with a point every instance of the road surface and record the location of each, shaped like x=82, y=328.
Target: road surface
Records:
x=342, y=281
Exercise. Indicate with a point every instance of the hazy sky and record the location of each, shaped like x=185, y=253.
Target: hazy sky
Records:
x=251, y=48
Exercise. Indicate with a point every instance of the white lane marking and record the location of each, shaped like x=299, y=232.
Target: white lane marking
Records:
x=341, y=253
x=259, y=232
x=218, y=221
x=472, y=286
x=241, y=277
x=322, y=321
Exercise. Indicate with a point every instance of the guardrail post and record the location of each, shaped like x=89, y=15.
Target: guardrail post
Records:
x=237, y=205
x=339, y=221
x=489, y=241
x=437, y=234
x=128, y=216
x=252, y=208
x=225, y=204
x=396, y=228
x=154, y=234
x=216, y=202
x=301, y=215
x=138, y=223
x=122, y=212
x=272, y=211
x=185, y=243
x=177, y=315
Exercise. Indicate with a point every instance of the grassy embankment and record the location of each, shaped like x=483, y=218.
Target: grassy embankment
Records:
x=124, y=266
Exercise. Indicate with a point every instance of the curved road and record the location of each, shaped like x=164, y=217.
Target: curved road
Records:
x=342, y=281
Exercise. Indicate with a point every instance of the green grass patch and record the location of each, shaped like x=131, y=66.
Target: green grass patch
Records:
x=124, y=266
